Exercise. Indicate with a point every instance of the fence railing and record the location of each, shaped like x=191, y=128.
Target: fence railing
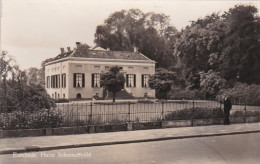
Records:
x=119, y=113
x=102, y=113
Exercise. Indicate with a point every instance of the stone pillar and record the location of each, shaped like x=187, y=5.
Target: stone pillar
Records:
x=48, y=131
x=1, y=133
x=91, y=129
x=129, y=126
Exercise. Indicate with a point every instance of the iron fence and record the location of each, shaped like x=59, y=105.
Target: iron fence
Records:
x=102, y=113
x=120, y=113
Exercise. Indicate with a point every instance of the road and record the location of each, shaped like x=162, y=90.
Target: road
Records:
x=231, y=149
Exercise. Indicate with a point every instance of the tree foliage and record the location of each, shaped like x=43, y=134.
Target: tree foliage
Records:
x=15, y=91
x=227, y=43
x=150, y=32
x=113, y=80
x=162, y=81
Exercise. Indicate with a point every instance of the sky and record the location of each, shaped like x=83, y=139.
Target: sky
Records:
x=34, y=30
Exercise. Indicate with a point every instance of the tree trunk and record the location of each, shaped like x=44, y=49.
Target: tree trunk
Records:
x=114, y=96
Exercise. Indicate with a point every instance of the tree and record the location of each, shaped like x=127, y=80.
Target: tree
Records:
x=15, y=91
x=199, y=45
x=150, y=32
x=113, y=81
x=211, y=83
x=35, y=76
x=240, y=58
x=162, y=81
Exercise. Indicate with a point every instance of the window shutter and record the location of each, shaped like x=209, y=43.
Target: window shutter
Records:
x=83, y=80
x=134, y=80
x=127, y=81
x=64, y=81
x=74, y=80
x=93, y=76
x=142, y=80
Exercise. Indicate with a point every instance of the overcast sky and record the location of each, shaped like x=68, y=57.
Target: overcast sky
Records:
x=34, y=30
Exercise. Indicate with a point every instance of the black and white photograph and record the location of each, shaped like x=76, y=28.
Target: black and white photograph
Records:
x=129, y=81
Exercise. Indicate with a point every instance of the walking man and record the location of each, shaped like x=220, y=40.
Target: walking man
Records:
x=227, y=108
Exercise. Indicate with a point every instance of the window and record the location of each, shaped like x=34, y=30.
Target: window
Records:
x=131, y=68
x=79, y=80
x=145, y=67
x=120, y=68
x=107, y=68
x=63, y=95
x=54, y=81
x=145, y=79
x=130, y=80
x=63, y=80
x=48, y=82
x=58, y=81
x=96, y=67
x=95, y=80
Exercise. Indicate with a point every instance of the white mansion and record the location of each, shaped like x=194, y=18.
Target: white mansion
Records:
x=76, y=73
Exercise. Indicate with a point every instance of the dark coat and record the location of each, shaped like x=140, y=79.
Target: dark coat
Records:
x=227, y=105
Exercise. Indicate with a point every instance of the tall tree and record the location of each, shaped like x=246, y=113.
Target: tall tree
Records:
x=240, y=58
x=150, y=32
x=162, y=81
x=113, y=81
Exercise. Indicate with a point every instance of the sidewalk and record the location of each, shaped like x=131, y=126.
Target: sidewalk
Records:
x=26, y=144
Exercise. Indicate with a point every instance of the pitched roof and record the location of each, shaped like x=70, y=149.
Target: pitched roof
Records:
x=86, y=52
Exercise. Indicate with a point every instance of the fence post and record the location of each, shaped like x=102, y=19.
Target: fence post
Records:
x=129, y=103
x=162, y=110
x=90, y=113
x=193, y=104
x=245, y=113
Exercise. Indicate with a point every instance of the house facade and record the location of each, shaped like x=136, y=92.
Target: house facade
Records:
x=76, y=73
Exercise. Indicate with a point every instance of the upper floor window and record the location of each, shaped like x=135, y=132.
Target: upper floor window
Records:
x=130, y=80
x=63, y=80
x=107, y=68
x=79, y=80
x=96, y=67
x=145, y=79
x=95, y=80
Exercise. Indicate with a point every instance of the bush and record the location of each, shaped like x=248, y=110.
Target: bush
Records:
x=29, y=120
x=194, y=113
x=61, y=101
x=243, y=114
x=249, y=94
x=180, y=94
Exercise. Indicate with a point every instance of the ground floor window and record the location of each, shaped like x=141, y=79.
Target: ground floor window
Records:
x=130, y=80
x=145, y=79
x=95, y=80
x=79, y=80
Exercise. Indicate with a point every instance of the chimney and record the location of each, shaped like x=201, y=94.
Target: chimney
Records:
x=62, y=50
x=108, y=49
x=136, y=49
x=68, y=48
x=78, y=44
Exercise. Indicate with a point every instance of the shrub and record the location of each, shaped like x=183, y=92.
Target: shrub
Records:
x=180, y=94
x=28, y=120
x=61, y=101
x=249, y=94
x=194, y=113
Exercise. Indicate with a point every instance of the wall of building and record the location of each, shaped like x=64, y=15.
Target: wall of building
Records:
x=90, y=67
x=57, y=69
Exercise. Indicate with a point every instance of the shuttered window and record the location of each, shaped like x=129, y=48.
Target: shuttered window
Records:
x=95, y=80
x=145, y=79
x=130, y=80
x=78, y=80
